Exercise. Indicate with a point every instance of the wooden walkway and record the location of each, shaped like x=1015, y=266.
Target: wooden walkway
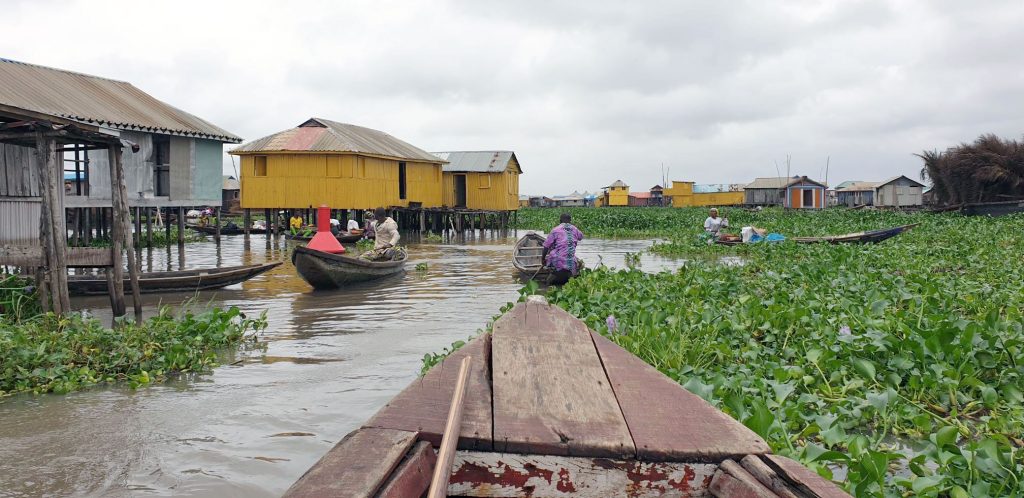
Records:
x=554, y=409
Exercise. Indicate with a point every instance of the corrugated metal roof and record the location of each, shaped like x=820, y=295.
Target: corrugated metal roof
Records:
x=778, y=182
x=858, y=187
x=230, y=183
x=618, y=183
x=477, y=161
x=847, y=183
x=323, y=135
x=890, y=180
x=95, y=100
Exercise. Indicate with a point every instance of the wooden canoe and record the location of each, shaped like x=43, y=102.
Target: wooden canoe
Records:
x=869, y=237
x=211, y=230
x=343, y=237
x=332, y=271
x=172, y=281
x=528, y=259
x=553, y=409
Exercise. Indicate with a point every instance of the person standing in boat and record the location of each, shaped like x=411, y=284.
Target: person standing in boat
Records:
x=713, y=224
x=386, y=231
x=560, y=250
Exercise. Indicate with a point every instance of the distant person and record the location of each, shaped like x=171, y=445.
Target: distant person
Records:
x=335, y=226
x=560, y=250
x=352, y=225
x=295, y=224
x=368, y=232
x=713, y=225
x=387, y=237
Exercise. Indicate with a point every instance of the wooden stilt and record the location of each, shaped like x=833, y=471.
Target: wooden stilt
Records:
x=149, y=227
x=247, y=221
x=181, y=226
x=216, y=231
x=115, y=273
x=53, y=232
x=167, y=225
x=137, y=232
x=121, y=219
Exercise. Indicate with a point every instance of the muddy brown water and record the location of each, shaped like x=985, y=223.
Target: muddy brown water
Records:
x=250, y=428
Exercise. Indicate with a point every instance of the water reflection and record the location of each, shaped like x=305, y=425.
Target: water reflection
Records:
x=331, y=359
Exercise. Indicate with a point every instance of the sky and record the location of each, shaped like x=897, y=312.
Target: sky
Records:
x=584, y=92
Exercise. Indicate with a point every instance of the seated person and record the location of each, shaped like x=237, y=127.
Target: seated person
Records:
x=335, y=226
x=352, y=225
x=713, y=224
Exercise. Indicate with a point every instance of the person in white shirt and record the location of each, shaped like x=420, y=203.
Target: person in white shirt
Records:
x=714, y=224
x=387, y=237
x=353, y=225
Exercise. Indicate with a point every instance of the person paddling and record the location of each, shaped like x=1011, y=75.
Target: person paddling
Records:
x=560, y=250
x=713, y=224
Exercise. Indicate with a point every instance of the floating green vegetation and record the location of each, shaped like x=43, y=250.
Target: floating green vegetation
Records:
x=42, y=353
x=160, y=239
x=363, y=245
x=895, y=368
x=421, y=267
x=432, y=237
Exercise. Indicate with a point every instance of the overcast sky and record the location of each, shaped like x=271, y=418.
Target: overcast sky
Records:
x=584, y=92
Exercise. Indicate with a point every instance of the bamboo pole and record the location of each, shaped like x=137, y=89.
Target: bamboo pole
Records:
x=450, y=440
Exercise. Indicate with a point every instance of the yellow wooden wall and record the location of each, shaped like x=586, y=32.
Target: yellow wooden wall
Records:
x=485, y=191
x=618, y=196
x=341, y=181
x=682, y=195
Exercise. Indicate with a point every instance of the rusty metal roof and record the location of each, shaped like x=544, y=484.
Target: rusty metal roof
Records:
x=322, y=135
x=477, y=161
x=100, y=101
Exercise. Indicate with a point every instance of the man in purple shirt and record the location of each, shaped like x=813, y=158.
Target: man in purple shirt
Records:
x=560, y=250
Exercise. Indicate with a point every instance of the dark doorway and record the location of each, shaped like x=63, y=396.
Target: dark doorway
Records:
x=460, y=191
x=808, y=197
x=401, y=181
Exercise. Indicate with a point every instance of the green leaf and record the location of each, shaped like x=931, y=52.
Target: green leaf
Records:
x=926, y=483
x=864, y=367
x=946, y=436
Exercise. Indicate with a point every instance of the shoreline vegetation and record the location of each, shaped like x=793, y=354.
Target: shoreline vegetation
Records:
x=893, y=369
x=44, y=353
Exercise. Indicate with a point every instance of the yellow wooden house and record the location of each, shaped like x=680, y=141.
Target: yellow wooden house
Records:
x=340, y=165
x=484, y=180
x=616, y=194
x=682, y=195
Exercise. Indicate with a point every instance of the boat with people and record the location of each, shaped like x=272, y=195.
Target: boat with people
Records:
x=528, y=258
x=866, y=237
x=173, y=281
x=543, y=406
x=324, y=270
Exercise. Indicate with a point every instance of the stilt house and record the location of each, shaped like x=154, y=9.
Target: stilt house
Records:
x=798, y=192
x=616, y=194
x=484, y=180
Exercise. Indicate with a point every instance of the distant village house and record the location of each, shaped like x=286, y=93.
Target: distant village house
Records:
x=798, y=192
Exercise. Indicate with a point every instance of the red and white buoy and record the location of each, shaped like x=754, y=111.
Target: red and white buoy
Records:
x=324, y=240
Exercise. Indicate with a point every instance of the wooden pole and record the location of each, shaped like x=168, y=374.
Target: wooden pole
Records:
x=181, y=226
x=137, y=233
x=216, y=231
x=450, y=440
x=123, y=215
x=115, y=274
x=247, y=221
x=49, y=230
x=167, y=225
x=149, y=227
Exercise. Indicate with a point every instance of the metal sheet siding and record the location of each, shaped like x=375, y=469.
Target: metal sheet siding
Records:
x=19, y=173
x=207, y=178
x=96, y=100
x=302, y=181
x=19, y=221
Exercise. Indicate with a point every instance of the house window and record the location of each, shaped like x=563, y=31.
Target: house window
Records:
x=259, y=166
x=401, y=181
x=161, y=165
x=484, y=180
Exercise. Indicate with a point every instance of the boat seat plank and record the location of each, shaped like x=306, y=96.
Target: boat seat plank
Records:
x=512, y=475
x=412, y=477
x=357, y=466
x=732, y=481
x=423, y=405
x=551, y=395
x=667, y=422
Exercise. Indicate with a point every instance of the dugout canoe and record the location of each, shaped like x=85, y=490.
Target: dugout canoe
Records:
x=868, y=237
x=344, y=238
x=209, y=230
x=554, y=409
x=332, y=271
x=172, y=281
x=528, y=259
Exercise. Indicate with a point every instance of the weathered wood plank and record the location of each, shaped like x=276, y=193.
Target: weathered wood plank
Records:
x=731, y=481
x=412, y=477
x=89, y=257
x=803, y=478
x=668, y=422
x=505, y=474
x=551, y=395
x=27, y=256
x=765, y=475
x=423, y=405
x=357, y=466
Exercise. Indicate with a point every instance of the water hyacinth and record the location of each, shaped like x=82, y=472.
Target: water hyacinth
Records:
x=612, y=323
x=844, y=331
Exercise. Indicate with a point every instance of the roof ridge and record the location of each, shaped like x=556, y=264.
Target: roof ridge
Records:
x=67, y=71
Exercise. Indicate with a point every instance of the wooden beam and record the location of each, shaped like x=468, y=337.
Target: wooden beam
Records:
x=52, y=233
x=732, y=481
x=505, y=474
x=357, y=466
x=27, y=256
x=412, y=477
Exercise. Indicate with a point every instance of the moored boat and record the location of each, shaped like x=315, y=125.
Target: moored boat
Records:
x=331, y=271
x=868, y=237
x=234, y=230
x=172, y=281
x=543, y=406
x=528, y=258
x=343, y=237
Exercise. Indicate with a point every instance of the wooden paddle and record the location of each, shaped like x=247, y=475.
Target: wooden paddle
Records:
x=450, y=440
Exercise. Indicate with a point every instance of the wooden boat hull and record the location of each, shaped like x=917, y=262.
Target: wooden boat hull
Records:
x=869, y=237
x=527, y=258
x=172, y=281
x=333, y=271
x=343, y=238
x=552, y=408
x=208, y=230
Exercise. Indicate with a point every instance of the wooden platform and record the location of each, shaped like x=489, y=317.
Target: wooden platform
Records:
x=554, y=409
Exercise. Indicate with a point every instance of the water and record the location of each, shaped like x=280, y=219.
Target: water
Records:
x=253, y=427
